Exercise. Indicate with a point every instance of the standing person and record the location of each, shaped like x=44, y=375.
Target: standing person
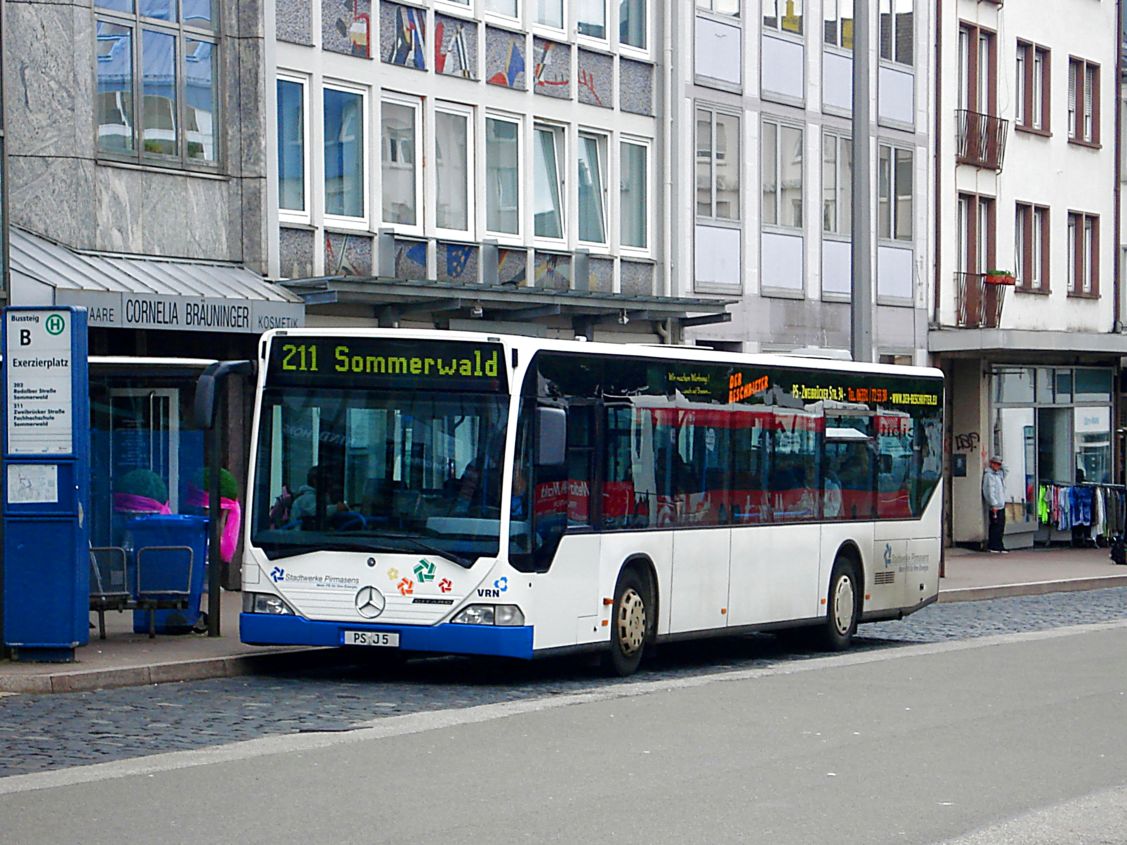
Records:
x=994, y=492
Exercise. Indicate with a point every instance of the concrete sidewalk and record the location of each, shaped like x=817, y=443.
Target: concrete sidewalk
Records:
x=128, y=659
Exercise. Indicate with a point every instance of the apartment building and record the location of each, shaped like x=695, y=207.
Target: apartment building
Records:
x=474, y=164
x=761, y=92
x=1026, y=315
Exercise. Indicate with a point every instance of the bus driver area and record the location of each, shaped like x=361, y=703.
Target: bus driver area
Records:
x=500, y=495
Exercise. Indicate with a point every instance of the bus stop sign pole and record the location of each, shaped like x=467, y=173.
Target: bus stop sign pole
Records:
x=207, y=410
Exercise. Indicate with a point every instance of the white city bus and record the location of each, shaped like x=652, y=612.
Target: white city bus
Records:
x=465, y=493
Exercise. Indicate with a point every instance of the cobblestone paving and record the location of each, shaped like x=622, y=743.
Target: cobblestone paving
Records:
x=38, y=732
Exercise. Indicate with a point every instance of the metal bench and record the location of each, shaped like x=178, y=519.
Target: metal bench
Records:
x=109, y=588
x=157, y=593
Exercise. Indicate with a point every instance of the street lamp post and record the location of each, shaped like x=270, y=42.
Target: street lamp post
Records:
x=861, y=301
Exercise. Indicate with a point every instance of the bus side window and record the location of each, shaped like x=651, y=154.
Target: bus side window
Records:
x=580, y=462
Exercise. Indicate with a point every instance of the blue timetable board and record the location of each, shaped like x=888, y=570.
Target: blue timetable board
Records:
x=46, y=482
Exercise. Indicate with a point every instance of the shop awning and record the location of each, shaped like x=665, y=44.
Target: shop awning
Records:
x=138, y=292
x=509, y=303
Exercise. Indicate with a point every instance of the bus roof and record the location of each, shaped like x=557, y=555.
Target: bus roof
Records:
x=684, y=353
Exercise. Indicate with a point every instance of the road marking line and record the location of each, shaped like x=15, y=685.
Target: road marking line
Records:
x=415, y=723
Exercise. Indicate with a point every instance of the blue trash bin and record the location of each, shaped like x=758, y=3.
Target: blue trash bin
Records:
x=161, y=542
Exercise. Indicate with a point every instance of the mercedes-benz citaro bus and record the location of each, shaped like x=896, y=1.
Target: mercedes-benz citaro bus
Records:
x=458, y=493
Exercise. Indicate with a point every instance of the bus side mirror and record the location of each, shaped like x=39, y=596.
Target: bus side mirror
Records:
x=207, y=389
x=551, y=437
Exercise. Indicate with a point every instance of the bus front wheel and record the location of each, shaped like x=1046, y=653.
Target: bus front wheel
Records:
x=844, y=605
x=630, y=623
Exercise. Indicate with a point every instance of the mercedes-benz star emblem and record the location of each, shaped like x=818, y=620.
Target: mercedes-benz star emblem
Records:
x=369, y=602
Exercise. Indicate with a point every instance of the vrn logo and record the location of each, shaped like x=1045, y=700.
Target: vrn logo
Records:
x=501, y=585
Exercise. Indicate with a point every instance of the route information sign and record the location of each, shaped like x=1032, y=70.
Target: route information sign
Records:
x=39, y=365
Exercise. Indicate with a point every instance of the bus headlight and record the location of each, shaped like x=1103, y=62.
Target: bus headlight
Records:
x=490, y=614
x=266, y=603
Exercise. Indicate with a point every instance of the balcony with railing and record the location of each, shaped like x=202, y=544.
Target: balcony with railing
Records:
x=979, y=301
x=981, y=139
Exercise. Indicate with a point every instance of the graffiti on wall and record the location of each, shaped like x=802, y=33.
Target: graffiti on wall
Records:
x=967, y=442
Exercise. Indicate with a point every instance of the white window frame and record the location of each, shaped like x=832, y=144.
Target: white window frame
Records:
x=1023, y=214
x=511, y=238
x=458, y=9
x=489, y=14
x=710, y=7
x=467, y=112
x=552, y=31
x=778, y=226
x=559, y=134
x=647, y=144
x=835, y=46
x=843, y=190
x=1019, y=87
x=714, y=112
x=629, y=49
x=336, y=220
x=893, y=212
x=603, y=140
x=591, y=39
x=891, y=59
x=778, y=30
x=1037, y=240
x=289, y=215
x=416, y=104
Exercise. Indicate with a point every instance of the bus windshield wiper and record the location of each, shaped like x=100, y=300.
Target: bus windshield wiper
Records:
x=428, y=548
x=276, y=551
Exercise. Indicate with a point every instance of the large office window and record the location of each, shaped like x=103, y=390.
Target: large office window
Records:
x=894, y=197
x=591, y=18
x=897, y=31
x=547, y=210
x=291, y=145
x=718, y=165
x=837, y=23
x=548, y=13
x=783, y=15
x=508, y=8
x=399, y=166
x=344, y=152
x=156, y=68
x=634, y=193
x=837, y=185
x=632, y=27
x=591, y=162
x=782, y=177
x=502, y=176
x=453, y=139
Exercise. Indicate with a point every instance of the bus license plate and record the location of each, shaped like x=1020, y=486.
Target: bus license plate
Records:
x=376, y=638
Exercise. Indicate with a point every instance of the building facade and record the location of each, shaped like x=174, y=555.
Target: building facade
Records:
x=462, y=163
x=137, y=188
x=1026, y=315
x=761, y=93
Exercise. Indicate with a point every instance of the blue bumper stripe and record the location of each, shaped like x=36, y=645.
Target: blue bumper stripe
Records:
x=502, y=641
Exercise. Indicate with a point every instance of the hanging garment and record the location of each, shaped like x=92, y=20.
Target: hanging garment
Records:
x=1081, y=505
x=1043, y=504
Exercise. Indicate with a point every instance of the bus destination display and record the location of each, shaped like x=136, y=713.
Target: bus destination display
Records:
x=370, y=362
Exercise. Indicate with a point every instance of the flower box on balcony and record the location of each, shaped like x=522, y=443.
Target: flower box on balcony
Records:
x=999, y=277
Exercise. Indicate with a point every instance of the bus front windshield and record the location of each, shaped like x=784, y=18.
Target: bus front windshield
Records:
x=416, y=471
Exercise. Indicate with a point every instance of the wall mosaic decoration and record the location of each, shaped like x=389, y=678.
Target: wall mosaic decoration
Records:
x=636, y=87
x=551, y=74
x=596, y=78
x=293, y=21
x=410, y=259
x=346, y=27
x=348, y=255
x=457, y=263
x=403, y=35
x=295, y=247
x=455, y=47
x=601, y=271
x=512, y=266
x=504, y=58
x=552, y=271
x=637, y=278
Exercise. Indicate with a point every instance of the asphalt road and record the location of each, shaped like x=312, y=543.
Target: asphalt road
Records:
x=984, y=722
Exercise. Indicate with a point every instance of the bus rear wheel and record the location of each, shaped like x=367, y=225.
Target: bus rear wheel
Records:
x=844, y=605
x=630, y=623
